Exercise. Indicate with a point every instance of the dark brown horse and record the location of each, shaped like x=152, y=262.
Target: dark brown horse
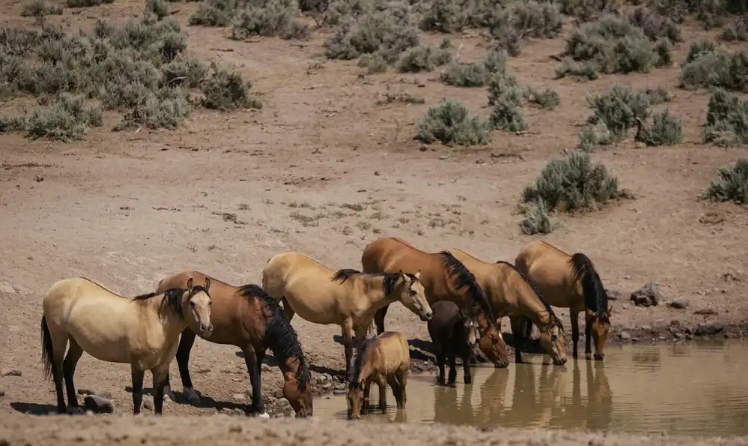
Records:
x=453, y=333
x=253, y=321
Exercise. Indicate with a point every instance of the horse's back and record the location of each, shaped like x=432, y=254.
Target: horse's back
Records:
x=548, y=267
x=396, y=352
x=481, y=269
x=179, y=280
x=390, y=254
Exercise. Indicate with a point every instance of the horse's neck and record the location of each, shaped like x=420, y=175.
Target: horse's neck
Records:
x=171, y=322
x=372, y=287
x=290, y=368
x=530, y=302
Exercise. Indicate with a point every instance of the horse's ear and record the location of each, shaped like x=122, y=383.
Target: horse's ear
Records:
x=189, y=284
x=207, y=284
x=417, y=275
x=402, y=275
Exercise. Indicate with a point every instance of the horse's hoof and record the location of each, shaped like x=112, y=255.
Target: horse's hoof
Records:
x=192, y=396
x=263, y=415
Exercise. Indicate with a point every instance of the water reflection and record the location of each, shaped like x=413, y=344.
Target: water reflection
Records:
x=679, y=389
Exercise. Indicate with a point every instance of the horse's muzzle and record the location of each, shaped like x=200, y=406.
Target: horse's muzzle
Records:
x=561, y=361
x=427, y=316
x=599, y=356
x=206, y=329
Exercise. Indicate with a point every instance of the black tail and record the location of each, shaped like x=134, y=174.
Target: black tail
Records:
x=47, y=350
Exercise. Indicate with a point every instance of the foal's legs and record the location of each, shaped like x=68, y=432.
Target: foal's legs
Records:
x=379, y=318
x=186, y=342
x=252, y=359
x=518, y=335
x=367, y=394
x=466, y=366
x=137, y=388
x=587, y=336
x=402, y=379
x=68, y=369
x=440, y=354
x=159, y=380
x=348, y=342
x=452, y=365
x=395, y=386
x=574, y=315
x=382, y=394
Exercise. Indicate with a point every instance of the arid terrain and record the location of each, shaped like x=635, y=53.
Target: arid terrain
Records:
x=323, y=168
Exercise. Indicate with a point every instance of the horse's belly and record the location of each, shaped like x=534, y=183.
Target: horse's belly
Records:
x=105, y=346
x=315, y=311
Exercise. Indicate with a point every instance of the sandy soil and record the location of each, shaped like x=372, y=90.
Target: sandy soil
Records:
x=323, y=170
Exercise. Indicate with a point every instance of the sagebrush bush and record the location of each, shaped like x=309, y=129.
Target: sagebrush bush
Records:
x=726, y=120
x=619, y=109
x=12, y=124
x=736, y=30
x=658, y=95
x=612, y=45
x=655, y=25
x=450, y=122
x=716, y=68
x=66, y=118
x=712, y=13
x=39, y=8
x=697, y=48
x=87, y=3
x=165, y=108
x=423, y=58
x=594, y=135
x=214, y=13
x=273, y=18
x=464, y=74
x=571, y=183
x=226, y=90
x=665, y=130
x=587, y=10
x=507, y=113
x=374, y=63
x=537, y=220
x=159, y=8
x=731, y=183
x=405, y=98
x=547, y=99
x=527, y=18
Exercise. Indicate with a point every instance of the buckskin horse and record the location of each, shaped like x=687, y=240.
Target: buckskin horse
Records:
x=570, y=281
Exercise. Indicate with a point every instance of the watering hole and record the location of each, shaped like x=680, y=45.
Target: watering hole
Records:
x=697, y=389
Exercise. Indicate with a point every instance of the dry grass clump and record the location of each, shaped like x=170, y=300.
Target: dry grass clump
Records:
x=726, y=120
x=451, y=123
x=731, y=183
x=709, y=66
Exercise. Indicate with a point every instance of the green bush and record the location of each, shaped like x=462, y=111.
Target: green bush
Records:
x=423, y=58
x=573, y=183
x=712, y=13
x=165, y=108
x=546, y=99
x=731, y=184
x=39, y=8
x=716, y=68
x=537, y=220
x=214, y=13
x=374, y=62
x=655, y=26
x=507, y=112
x=226, y=90
x=274, y=18
x=158, y=8
x=527, y=18
x=619, y=109
x=463, y=74
x=658, y=95
x=12, y=124
x=726, y=120
x=66, y=118
x=594, y=135
x=665, y=130
x=450, y=122
x=736, y=31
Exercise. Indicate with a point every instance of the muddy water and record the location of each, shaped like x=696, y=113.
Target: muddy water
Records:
x=694, y=389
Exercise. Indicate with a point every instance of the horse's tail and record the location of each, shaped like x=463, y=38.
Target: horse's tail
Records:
x=47, y=350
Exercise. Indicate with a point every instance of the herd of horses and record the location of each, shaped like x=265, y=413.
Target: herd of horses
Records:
x=461, y=297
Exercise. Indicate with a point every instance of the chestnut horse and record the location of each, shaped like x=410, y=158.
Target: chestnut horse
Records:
x=248, y=318
x=443, y=278
x=143, y=332
x=570, y=281
x=511, y=294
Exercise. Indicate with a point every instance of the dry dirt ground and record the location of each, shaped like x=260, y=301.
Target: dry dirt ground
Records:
x=322, y=169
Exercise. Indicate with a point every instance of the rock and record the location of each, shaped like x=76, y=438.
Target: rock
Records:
x=2, y=393
x=646, y=296
x=147, y=403
x=339, y=392
x=239, y=396
x=678, y=304
x=689, y=336
x=709, y=329
x=706, y=312
x=613, y=294
x=97, y=404
x=646, y=328
x=326, y=386
x=11, y=372
x=675, y=323
x=624, y=335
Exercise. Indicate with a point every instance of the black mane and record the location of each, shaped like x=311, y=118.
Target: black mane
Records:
x=537, y=292
x=279, y=334
x=464, y=278
x=173, y=297
x=595, y=297
x=389, y=278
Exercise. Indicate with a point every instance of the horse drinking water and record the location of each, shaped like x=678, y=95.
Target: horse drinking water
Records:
x=570, y=281
x=143, y=331
x=452, y=333
x=248, y=318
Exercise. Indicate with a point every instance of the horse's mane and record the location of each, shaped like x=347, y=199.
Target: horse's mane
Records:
x=466, y=279
x=173, y=297
x=536, y=290
x=389, y=279
x=358, y=363
x=595, y=297
x=279, y=334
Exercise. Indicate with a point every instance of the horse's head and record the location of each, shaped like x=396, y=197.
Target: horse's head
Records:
x=492, y=344
x=299, y=395
x=413, y=295
x=355, y=399
x=200, y=303
x=600, y=324
x=552, y=340
x=470, y=329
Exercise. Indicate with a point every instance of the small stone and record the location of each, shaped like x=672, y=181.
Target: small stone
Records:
x=11, y=372
x=239, y=397
x=624, y=335
x=646, y=296
x=705, y=312
x=678, y=304
x=147, y=403
x=689, y=336
x=339, y=392
x=613, y=294
x=709, y=329
x=675, y=323
x=98, y=404
x=646, y=328
x=2, y=393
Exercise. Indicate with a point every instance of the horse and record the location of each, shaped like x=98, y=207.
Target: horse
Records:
x=384, y=359
x=142, y=331
x=512, y=294
x=443, y=278
x=570, y=281
x=452, y=333
x=246, y=317
x=347, y=297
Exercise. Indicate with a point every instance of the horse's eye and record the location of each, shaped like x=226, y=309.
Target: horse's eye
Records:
x=413, y=293
x=210, y=302
x=192, y=304
x=554, y=338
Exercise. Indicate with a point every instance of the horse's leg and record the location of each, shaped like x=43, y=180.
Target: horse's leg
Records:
x=452, y=365
x=395, y=386
x=58, y=355
x=159, y=380
x=382, y=394
x=402, y=379
x=379, y=318
x=137, y=388
x=466, y=366
x=367, y=394
x=440, y=353
x=518, y=335
x=253, y=367
x=348, y=341
x=574, y=315
x=587, y=336
x=183, y=359
x=287, y=309
x=68, y=369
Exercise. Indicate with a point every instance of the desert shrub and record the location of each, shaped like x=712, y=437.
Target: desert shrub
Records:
x=87, y=3
x=716, y=68
x=731, y=183
x=619, y=109
x=12, y=123
x=611, y=45
x=423, y=58
x=338, y=11
x=64, y=119
x=374, y=63
x=712, y=13
x=226, y=90
x=507, y=113
x=571, y=183
x=464, y=74
x=665, y=130
x=404, y=98
x=39, y=8
x=450, y=122
x=274, y=18
x=546, y=99
x=726, y=120
x=658, y=95
x=184, y=72
x=594, y=135
x=165, y=108
x=389, y=31
x=537, y=220
x=698, y=48
x=500, y=80
x=214, y=13
x=527, y=18
x=655, y=25
x=587, y=10
x=446, y=16
x=159, y=8
x=736, y=30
